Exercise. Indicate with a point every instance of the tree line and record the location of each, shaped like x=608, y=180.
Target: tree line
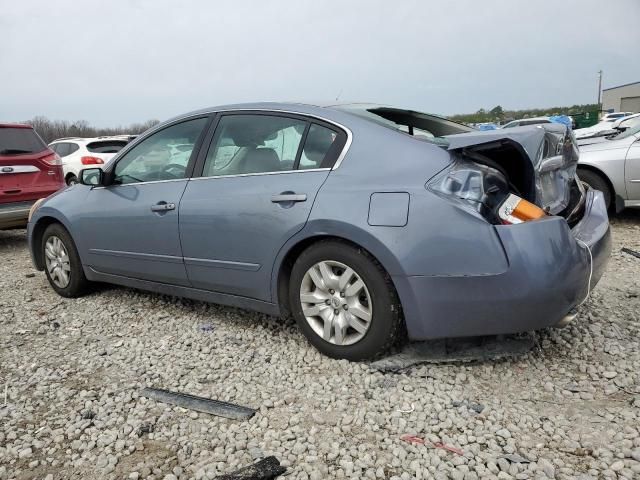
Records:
x=51, y=130
x=499, y=115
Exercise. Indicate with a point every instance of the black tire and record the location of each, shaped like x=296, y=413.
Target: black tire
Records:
x=77, y=282
x=72, y=180
x=597, y=182
x=386, y=324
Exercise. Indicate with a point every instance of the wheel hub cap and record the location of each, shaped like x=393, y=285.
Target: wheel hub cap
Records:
x=336, y=303
x=57, y=262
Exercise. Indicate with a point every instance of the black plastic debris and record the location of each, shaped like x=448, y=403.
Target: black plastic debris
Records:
x=455, y=350
x=630, y=252
x=199, y=404
x=265, y=469
x=514, y=458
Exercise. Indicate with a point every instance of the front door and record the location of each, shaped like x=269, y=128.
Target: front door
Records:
x=130, y=227
x=259, y=182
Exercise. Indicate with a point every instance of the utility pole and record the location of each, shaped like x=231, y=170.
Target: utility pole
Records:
x=599, y=88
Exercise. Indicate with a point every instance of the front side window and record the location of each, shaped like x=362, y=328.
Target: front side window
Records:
x=157, y=156
x=246, y=144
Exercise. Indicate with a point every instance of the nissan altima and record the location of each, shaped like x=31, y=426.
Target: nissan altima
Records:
x=367, y=224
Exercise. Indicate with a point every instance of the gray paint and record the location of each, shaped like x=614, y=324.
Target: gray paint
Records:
x=455, y=273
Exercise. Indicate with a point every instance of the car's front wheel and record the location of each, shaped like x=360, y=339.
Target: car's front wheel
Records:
x=62, y=262
x=344, y=302
x=597, y=182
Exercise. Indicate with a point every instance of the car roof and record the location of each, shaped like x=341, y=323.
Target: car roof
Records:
x=88, y=139
x=328, y=110
x=15, y=125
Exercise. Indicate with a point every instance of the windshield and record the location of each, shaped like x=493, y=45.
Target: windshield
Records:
x=628, y=132
x=419, y=125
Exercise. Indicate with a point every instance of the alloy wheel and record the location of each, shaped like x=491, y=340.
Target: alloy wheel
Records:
x=336, y=302
x=57, y=261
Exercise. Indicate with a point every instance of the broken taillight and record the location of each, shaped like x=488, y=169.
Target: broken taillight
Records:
x=516, y=210
x=484, y=190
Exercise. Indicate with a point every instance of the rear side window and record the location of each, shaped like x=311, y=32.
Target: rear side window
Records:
x=321, y=148
x=17, y=141
x=65, y=148
x=108, y=146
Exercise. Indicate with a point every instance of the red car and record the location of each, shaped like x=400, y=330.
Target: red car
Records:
x=29, y=171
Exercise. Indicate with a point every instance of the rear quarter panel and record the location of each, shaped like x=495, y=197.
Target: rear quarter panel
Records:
x=437, y=239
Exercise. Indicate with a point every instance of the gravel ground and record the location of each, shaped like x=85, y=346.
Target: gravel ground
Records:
x=72, y=371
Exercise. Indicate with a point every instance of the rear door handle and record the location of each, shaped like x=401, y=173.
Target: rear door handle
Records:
x=289, y=197
x=163, y=207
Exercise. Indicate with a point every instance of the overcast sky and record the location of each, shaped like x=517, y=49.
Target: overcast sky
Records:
x=116, y=62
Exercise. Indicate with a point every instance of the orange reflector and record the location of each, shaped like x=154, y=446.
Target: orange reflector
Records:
x=516, y=210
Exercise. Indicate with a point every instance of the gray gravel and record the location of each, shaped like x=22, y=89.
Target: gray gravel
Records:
x=73, y=370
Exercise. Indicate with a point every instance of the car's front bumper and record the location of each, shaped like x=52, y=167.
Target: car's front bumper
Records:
x=548, y=274
x=13, y=215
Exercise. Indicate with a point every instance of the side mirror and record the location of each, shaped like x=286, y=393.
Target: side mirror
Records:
x=92, y=177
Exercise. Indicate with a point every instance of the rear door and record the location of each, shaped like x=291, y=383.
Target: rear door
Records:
x=29, y=170
x=258, y=181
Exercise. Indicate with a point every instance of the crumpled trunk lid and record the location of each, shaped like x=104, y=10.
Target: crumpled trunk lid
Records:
x=539, y=161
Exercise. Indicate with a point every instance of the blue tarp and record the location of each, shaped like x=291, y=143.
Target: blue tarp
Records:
x=563, y=119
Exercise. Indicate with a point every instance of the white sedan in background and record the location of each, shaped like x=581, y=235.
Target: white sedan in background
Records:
x=78, y=153
x=608, y=123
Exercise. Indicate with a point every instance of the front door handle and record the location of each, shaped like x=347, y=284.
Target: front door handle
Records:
x=163, y=207
x=289, y=197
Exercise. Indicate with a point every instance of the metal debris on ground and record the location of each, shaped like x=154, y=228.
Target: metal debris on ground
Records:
x=206, y=327
x=265, y=469
x=408, y=410
x=421, y=441
x=476, y=407
x=455, y=350
x=199, y=404
x=630, y=252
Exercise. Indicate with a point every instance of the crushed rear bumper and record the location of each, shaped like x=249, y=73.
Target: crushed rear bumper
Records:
x=548, y=275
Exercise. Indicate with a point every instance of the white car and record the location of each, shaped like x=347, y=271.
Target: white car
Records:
x=609, y=122
x=79, y=153
x=615, y=116
x=527, y=121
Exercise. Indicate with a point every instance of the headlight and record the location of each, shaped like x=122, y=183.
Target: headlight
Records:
x=34, y=207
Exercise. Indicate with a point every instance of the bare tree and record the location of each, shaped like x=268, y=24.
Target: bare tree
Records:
x=51, y=130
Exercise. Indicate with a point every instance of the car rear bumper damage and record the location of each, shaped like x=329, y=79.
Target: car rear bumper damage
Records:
x=549, y=269
x=14, y=214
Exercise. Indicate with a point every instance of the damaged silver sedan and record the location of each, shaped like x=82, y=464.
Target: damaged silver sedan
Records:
x=363, y=222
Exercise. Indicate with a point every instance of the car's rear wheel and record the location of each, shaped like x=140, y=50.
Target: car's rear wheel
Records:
x=344, y=302
x=72, y=180
x=597, y=182
x=62, y=262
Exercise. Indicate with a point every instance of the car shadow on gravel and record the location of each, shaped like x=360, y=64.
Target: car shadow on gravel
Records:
x=11, y=239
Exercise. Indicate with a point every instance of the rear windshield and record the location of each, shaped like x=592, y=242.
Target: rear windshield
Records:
x=421, y=125
x=18, y=141
x=106, y=146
